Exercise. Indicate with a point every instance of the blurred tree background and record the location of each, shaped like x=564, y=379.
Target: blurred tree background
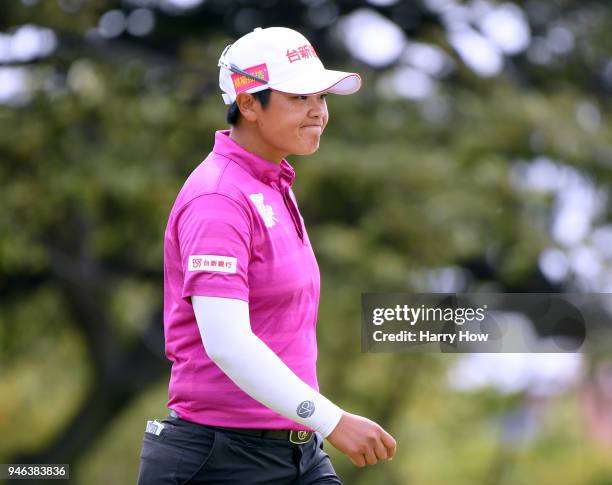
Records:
x=476, y=157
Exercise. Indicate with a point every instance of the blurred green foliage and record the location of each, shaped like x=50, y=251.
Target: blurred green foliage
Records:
x=90, y=166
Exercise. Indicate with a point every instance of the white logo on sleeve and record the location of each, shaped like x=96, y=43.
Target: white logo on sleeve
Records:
x=210, y=262
x=265, y=211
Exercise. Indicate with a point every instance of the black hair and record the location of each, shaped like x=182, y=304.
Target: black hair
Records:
x=233, y=113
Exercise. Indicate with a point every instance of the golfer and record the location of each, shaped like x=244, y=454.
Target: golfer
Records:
x=241, y=291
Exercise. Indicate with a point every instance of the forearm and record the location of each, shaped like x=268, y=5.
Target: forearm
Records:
x=227, y=337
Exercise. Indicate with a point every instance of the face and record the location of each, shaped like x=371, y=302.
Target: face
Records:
x=290, y=124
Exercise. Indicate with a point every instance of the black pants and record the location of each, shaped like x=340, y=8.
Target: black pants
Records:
x=189, y=453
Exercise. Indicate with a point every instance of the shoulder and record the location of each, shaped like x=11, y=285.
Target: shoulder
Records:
x=216, y=187
x=216, y=175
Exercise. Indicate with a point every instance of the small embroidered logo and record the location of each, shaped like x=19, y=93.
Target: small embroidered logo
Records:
x=242, y=83
x=305, y=409
x=211, y=262
x=265, y=211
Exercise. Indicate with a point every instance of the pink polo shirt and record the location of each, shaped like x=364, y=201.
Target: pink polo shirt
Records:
x=235, y=232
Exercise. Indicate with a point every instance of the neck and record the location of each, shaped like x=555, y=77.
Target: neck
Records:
x=252, y=142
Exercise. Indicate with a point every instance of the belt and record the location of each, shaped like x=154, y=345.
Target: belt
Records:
x=291, y=435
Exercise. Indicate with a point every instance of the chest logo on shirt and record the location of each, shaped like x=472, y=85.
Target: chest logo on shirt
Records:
x=265, y=211
x=210, y=262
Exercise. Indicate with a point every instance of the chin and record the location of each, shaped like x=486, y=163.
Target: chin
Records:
x=308, y=149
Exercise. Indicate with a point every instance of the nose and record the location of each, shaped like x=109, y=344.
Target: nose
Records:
x=318, y=107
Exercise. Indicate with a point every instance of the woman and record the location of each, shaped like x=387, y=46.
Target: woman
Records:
x=242, y=289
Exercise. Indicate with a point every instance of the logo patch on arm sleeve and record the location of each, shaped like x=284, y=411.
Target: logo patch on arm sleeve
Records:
x=210, y=262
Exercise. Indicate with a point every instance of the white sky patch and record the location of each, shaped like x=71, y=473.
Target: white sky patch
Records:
x=586, y=250
x=560, y=40
x=505, y=31
x=585, y=261
x=543, y=374
x=507, y=27
x=546, y=175
x=577, y=204
x=588, y=116
x=14, y=86
x=477, y=52
x=538, y=52
x=570, y=226
x=141, y=22
x=428, y=58
x=602, y=240
x=169, y=6
x=112, y=23
x=554, y=264
x=480, y=8
x=440, y=5
x=183, y=4
x=604, y=285
x=541, y=175
x=450, y=279
x=177, y=7
x=28, y=42
x=371, y=38
x=454, y=15
x=383, y=3
x=411, y=83
x=5, y=48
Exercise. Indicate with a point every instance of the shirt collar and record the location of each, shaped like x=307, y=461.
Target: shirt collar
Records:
x=260, y=168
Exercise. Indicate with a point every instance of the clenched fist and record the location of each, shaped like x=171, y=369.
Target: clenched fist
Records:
x=362, y=440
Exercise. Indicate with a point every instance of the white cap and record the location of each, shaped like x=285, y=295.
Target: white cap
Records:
x=284, y=60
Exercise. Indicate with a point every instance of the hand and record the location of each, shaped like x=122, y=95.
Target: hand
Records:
x=362, y=440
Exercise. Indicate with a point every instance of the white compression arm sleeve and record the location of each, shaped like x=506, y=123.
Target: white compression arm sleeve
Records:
x=229, y=341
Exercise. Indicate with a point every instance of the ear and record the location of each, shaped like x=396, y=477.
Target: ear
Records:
x=249, y=107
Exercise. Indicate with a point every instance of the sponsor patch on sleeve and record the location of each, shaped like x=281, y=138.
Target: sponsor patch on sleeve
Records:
x=210, y=262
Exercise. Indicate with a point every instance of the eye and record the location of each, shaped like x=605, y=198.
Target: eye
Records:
x=304, y=97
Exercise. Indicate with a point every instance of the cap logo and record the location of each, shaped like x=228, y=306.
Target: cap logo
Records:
x=303, y=52
x=242, y=83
